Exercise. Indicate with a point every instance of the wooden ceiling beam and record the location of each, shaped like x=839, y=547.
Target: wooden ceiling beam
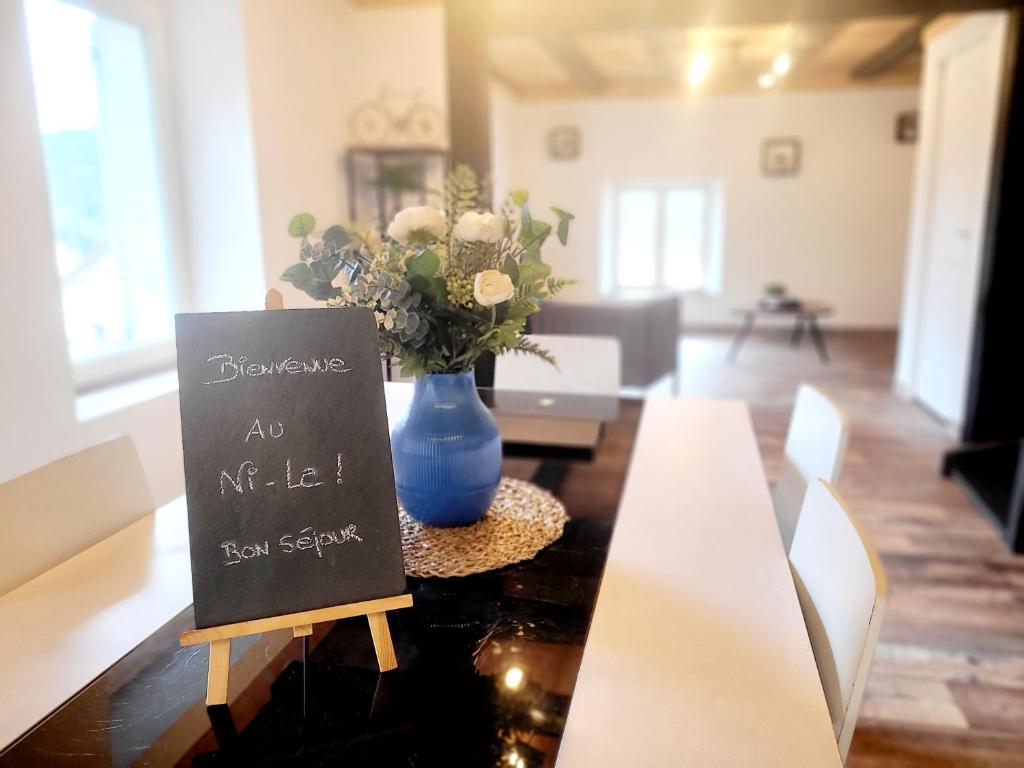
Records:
x=525, y=17
x=563, y=49
x=669, y=74
x=514, y=88
x=891, y=54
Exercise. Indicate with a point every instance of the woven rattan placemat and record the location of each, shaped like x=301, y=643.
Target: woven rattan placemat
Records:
x=522, y=521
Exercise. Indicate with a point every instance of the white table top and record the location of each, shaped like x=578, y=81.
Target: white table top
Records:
x=697, y=654
x=66, y=626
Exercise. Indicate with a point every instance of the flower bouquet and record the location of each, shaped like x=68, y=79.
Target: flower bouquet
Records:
x=445, y=287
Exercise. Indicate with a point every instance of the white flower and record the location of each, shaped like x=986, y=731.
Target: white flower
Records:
x=492, y=287
x=479, y=228
x=419, y=224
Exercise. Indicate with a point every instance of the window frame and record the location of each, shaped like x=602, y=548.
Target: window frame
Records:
x=145, y=359
x=713, y=191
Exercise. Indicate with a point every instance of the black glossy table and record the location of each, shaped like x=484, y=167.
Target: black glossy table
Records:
x=487, y=665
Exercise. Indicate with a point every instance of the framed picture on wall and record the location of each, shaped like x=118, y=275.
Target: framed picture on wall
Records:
x=564, y=142
x=780, y=157
x=906, y=127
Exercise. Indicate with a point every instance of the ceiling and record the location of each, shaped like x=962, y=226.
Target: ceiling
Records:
x=852, y=53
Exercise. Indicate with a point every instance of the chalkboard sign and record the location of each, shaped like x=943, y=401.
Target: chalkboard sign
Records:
x=288, y=477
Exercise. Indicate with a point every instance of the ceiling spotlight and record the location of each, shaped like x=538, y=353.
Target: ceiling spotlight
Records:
x=781, y=64
x=700, y=65
x=766, y=80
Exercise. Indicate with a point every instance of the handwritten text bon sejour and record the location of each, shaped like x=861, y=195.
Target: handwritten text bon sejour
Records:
x=306, y=540
x=227, y=367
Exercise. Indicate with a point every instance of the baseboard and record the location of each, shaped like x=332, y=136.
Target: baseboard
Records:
x=776, y=324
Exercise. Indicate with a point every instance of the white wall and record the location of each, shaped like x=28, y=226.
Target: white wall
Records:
x=210, y=102
x=34, y=368
x=310, y=63
x=836, y=232
x=259, y=92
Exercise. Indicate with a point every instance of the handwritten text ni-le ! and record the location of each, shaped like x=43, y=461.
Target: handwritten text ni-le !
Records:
x=225, y=367
x=245, y=477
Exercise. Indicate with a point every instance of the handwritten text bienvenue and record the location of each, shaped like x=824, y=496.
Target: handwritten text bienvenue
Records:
x=228, y=368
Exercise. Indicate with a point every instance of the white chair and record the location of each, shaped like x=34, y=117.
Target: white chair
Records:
x=842, y=589
x=587, y=365
x=56, y=511
x=815, y=444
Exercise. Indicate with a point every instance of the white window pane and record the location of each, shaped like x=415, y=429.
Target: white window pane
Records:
x=637, y=237
x=95, y=107
x=684, y=238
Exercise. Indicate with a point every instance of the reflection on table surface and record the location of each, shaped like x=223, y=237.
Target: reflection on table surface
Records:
x=551, y=424
x=554, y=405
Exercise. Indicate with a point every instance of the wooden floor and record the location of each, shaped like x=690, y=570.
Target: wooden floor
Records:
x=947, y=684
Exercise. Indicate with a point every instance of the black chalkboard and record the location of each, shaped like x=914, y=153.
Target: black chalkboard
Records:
x=291, y=496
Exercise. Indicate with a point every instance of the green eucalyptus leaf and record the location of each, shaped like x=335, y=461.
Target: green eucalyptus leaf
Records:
x=534, y=238
x=337, y=237
x=532, y=271
x=525, y=220
x=301, y=225
x=423, y=285
x=440, y=288
x=310, y=279
x=501, y=312
x=511, y=268
x=564, y=217
x=322, y=271
x=425, y=264
x=297, y=273
x=321, y=291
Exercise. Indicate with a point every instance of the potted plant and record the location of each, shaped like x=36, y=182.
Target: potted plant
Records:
x=445, y=286
x=775, y=297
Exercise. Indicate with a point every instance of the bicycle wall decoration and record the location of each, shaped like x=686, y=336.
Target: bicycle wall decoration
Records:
x=397, y=118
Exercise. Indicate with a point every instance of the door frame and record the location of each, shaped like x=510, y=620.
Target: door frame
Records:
x=941, y=43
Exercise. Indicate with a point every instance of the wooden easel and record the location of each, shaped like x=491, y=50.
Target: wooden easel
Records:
x=301, y=624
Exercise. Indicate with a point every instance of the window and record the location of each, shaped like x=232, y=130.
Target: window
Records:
x=663, y=235
x=104, y=167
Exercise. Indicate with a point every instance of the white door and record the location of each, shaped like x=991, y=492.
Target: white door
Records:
x=963, y=75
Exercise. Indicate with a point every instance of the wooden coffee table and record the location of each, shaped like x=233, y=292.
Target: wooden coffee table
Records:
x=804, y=316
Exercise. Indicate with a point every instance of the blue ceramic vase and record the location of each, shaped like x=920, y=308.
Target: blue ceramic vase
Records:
x=446, y=451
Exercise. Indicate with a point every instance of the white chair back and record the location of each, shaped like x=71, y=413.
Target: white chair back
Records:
x=815, y=444
x=842, y=589
x=56, y=511
x=587, y=365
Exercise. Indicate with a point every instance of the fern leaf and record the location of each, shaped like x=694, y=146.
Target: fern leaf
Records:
x=528, y=347
x=462, y=192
